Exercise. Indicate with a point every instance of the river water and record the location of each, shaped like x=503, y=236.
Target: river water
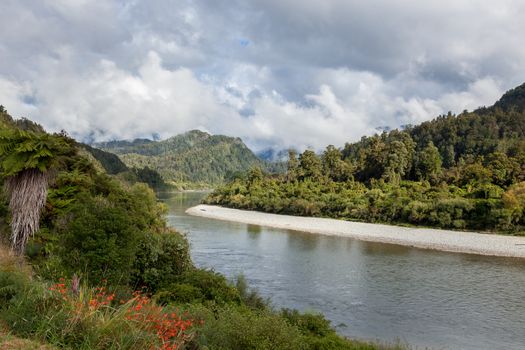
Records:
x=368, y=290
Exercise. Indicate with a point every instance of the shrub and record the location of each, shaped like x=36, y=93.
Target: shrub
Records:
x=160, y=259
x=250, y=297
x=180, y=294
x=239, y=328
x=11, y=284
x=308, y=323
x=213, y=286
x=100, y=241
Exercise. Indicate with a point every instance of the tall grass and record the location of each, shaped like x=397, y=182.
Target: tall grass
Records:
x=89, y=318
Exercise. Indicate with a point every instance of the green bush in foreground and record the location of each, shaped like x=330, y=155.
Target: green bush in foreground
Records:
x=198, y=285
x=238, y=327
x=101, y=242
x=160, y=259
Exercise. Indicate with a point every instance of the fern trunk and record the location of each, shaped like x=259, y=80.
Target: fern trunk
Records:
x=28, y=193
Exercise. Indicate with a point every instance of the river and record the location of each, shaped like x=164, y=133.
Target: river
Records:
x=368, y=290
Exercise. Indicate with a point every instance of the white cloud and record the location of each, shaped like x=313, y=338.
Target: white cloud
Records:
x=312, y=73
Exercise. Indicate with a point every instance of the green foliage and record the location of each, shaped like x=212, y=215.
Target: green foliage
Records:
x=250, y=297
x=212, y=286
x=73, y=321
x=91, y=223
x=429, y=162
x=98, y=227
x=6, y=121
x=100, y=241
x=180, y=293
x=11, y=284
x=308, y=323
x=150, y=177
x=160, y=259
x=310, y=165
x=22, y=150
x=514, y=202
x=239, y=328
x=334, y=166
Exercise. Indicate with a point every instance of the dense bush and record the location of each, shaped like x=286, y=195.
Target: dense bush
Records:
x=100, y=241
x=475, y=206
x=180, y=293
x=160, y=259
x=206, y=286
x=236, y=327
x=240, y=328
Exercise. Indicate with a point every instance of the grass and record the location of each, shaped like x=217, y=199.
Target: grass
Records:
x=10, y=342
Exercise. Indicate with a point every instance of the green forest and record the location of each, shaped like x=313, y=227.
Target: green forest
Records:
x=87, y=261
x=463, y=171
x=194, y=158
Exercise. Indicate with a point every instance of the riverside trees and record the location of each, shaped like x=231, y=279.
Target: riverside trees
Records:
x=465, y=171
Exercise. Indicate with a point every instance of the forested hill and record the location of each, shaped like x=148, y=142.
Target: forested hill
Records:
x=499, y=128
x=194, y=156
x=492, y=135
x=465, y=172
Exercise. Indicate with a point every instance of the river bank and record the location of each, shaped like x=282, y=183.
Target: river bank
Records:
x=426, y=238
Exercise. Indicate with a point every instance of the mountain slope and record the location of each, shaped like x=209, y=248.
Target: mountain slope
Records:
x=194, y=156
x=110, y=162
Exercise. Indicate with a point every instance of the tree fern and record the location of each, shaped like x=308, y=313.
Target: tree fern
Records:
x=26, y=157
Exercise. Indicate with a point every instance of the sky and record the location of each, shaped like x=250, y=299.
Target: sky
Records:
x=277, y=73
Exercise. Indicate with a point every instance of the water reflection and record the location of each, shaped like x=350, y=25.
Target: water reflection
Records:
x=301, y=240
x=253, y=231
x=373, y=248
x=373, y=290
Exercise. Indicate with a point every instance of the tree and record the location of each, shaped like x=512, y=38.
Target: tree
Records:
x=449, y=158
x=504, y=169
x=429, y=163
x=514, y=200
x=334, y=166
x=310, y=165
x=26, y=159
x=398, y=162
x=292, y=165
x=255, y=174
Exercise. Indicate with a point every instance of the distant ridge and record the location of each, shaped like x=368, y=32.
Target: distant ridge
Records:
x=194, y=156
x=514, y=98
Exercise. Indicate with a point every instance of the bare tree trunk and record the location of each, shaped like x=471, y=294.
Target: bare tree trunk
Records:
x=28, y=193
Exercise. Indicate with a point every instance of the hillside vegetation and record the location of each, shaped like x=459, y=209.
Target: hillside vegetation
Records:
x=193, y=157
x=463, y=172
x=92, y=264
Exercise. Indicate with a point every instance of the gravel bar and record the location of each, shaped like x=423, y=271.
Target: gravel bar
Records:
x=426, y=238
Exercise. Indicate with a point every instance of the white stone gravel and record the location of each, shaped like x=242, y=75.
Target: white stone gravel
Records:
x=446, y=240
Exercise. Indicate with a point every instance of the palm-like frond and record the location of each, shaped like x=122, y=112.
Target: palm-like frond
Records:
x=26, y=157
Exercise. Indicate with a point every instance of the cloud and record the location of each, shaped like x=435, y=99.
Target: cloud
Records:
x=279, y=74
